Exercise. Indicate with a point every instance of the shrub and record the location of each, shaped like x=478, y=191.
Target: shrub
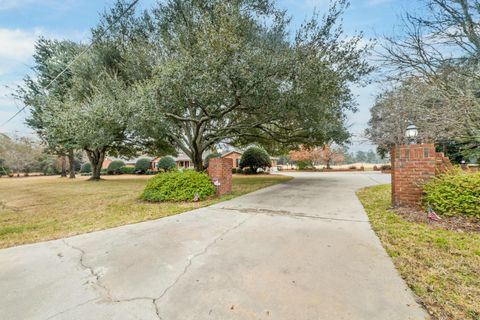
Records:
x=166, y=164
x=386, y=167
x=114, y=166
x=255, y=158
x=302, y=165
x=178, y=186
x=86, y=168
x=211, y=156
x=127, y=170
x=352, y=168
x=248, y=171
x=143, y=164
x=454, y=193
x=103, y=171
x=239, y=170
x=234, y=170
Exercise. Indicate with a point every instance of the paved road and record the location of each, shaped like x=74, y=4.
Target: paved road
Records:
x=301, y=250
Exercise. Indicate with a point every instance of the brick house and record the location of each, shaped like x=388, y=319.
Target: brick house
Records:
x=128, y=162
x=182, y=161
x=235, y=156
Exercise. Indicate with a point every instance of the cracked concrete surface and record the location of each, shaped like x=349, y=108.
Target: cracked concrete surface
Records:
x=301, y=250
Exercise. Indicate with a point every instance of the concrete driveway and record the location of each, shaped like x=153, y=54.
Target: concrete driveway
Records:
x=300, y=250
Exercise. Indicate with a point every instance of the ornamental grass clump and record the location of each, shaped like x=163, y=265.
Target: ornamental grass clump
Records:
x=178, y=186
x=455, y=193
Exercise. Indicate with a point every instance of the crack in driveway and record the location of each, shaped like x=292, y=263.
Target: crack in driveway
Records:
x=95, y=274
x=190, y=260
x=289, y=214
x=106, y=291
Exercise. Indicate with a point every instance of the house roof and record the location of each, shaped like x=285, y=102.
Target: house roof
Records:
x=240, y=153
x=230, y=152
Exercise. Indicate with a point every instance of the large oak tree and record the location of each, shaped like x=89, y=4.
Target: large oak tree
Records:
x=230, y=72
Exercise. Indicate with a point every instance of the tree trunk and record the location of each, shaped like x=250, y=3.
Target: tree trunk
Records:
x=198, y=164
x=96, y=158
x=71, y=163
x=328, y=164
x=197, y=160
x=63, y=165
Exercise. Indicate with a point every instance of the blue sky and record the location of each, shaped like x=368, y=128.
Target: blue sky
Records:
x=23, y=21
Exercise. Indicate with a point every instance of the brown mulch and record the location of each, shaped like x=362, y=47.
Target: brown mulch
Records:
x=448, y=223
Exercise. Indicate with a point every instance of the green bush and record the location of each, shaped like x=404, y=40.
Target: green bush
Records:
x=86, y=168
x=248, y=171
x=178, y=186
x=114, y=166
x=456, y=193
x=166, y=164
x=302, y=165
x=239, y=170
x=255, y=158
x=127, y=170
x=143, y=164
x=234, y=170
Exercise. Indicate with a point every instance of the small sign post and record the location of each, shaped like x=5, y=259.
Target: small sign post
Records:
x=217, y=184
x=196, y=199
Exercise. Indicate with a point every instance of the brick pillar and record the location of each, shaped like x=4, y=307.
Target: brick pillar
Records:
x=221, y=169
x=412, y=166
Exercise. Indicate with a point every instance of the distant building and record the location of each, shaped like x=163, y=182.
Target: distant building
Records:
x=128, y=162
x=236, y=155
x=183, y=161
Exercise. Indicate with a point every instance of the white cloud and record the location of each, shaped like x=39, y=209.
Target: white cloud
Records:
x=17, y=44
x=11, y=4
x=16, y=4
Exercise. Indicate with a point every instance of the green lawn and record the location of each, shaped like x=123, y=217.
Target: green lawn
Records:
x=442, y=267
x=43, y=208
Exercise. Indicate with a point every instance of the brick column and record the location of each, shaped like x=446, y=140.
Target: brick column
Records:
x=221, y=169
x=412, y=166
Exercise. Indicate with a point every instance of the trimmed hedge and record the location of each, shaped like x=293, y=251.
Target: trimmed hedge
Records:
x=86, y=168
x=454, y=193
x=166, y=164
x=178, y=186
x=143, y=164
x=115, y=165
x=127, y=170
x=302, y=165
x=255, y=158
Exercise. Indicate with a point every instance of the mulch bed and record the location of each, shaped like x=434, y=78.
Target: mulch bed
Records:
x=448, y=223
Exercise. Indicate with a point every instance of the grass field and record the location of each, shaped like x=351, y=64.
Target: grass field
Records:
x=442, y=267
x=43, y=208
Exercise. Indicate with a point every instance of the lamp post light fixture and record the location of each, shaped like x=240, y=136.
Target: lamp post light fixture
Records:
x=411, y=133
